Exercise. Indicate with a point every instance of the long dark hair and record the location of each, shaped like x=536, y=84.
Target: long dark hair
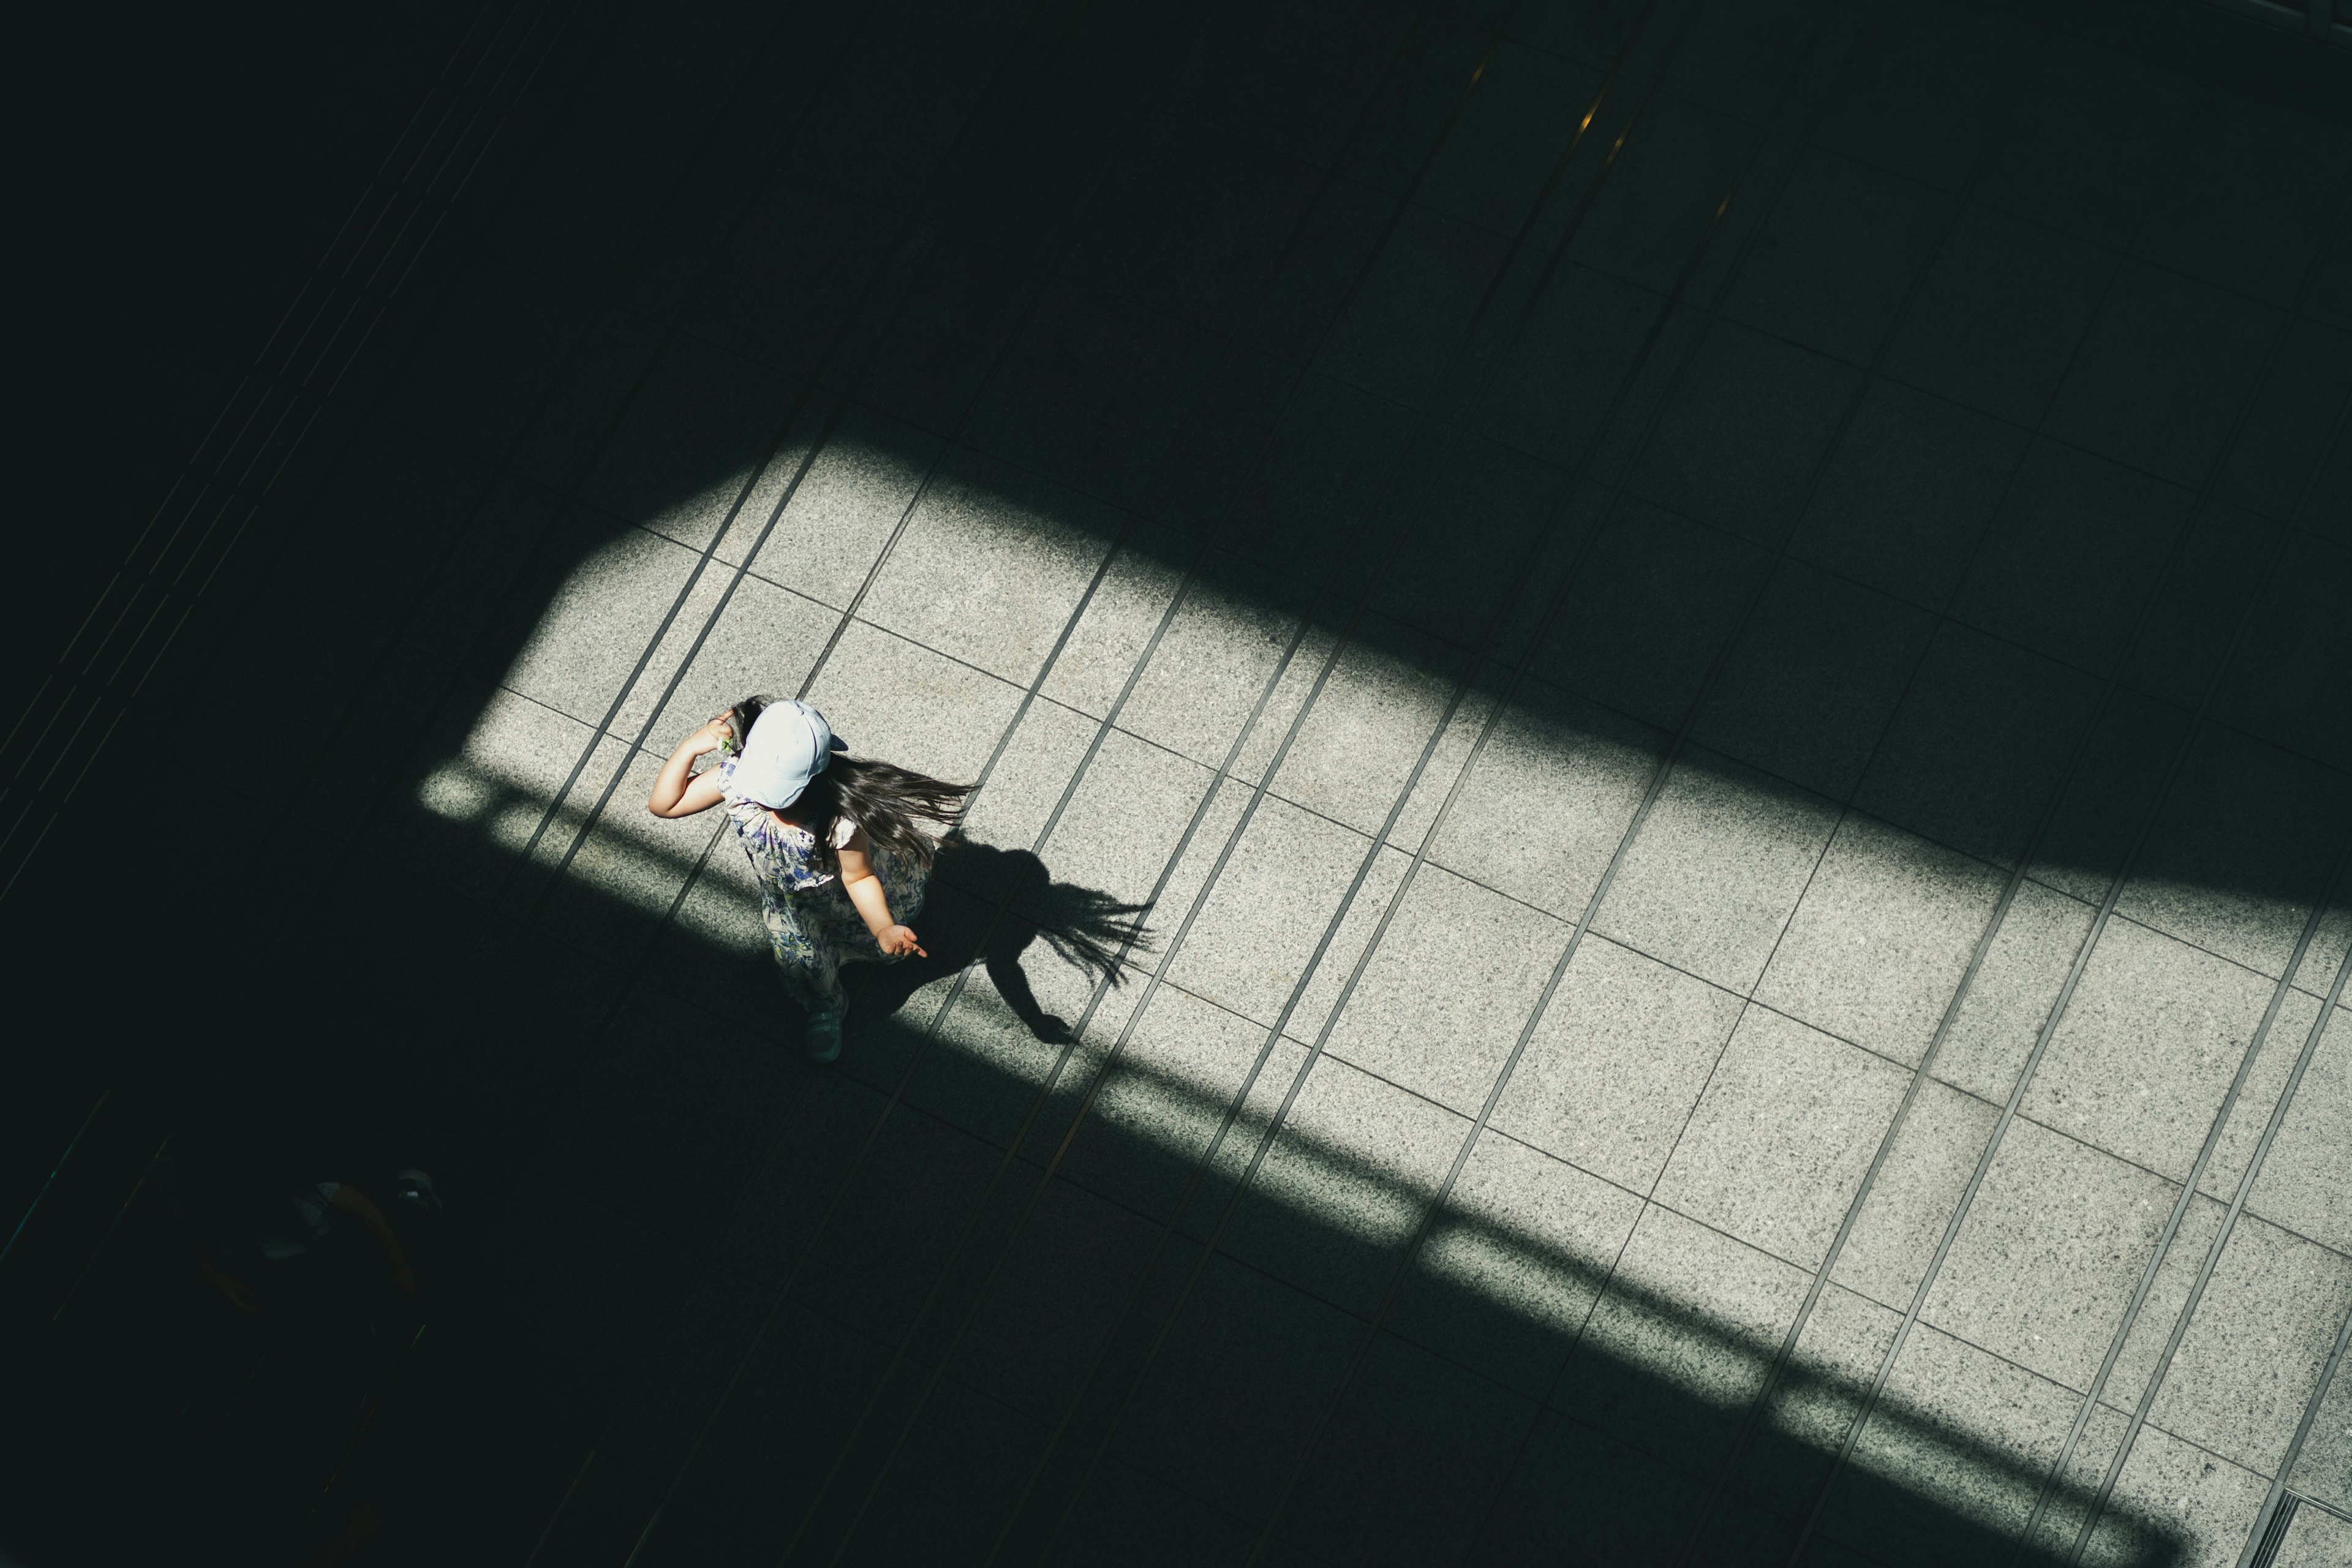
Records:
x=897, y=807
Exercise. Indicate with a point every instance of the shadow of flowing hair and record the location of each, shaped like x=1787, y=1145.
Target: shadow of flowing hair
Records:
x=901, y=811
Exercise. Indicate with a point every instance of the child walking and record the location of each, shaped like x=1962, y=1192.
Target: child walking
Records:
x=841, y=844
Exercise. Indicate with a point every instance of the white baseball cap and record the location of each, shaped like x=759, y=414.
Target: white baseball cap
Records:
x=791, y=743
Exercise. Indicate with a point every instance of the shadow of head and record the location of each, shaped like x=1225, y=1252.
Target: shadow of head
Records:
x=991, y=905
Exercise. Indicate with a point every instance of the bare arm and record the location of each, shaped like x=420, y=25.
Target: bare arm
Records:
x=676, y=793
x=353, y=1202
x=864, y=891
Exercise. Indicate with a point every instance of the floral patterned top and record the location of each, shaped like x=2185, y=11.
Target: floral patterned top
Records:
x=782, y=855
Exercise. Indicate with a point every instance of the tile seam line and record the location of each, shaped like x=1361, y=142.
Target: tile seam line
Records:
x=1452, y=431
x=146, y=579
x=1432, y=1210
x=1004, y=741
x=1305, y=624
x=2116, y=885
x=2017, y=876
x=2141, y=1412
x=253, y=506
x=2094, y=1396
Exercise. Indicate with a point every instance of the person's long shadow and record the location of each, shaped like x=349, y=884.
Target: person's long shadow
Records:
x=990, y=906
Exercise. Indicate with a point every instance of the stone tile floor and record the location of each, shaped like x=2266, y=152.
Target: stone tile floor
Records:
x=1711, y=637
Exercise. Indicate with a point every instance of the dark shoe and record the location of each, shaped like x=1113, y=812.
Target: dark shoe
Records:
x=415, y=1187
x=824, y=1035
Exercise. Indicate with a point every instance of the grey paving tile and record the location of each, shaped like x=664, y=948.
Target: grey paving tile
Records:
x=890, y=698
x=452, y=610
x=765, y=639
x=2197, y=609
x=1818, y=669
x=1293, y=83
x=2211, y=1505
x=1227, y=640
x=586, y=398
x=1982, y=737
x=925, y=340
x=2320, y=1471
x=2232, y=215
x=1805, y=1416
x=1216, y=448
x=677, y=246
x=1361, y=740
x=1681, y=1342
x=1508, y=1272
x=372, y=539
x=2085, y=149
x=1409, y=1461
x=1903, y=1219
x=1513, y=129
x=1122, y=825
x=1780, y=1137
x=894, y=104
x=2234, y=861
x=574, y=214
x=2281, y=685
x=1304, y=509
x=1343, y=1187
x=2165, y=364
x=912, y=1190
x=1237, y=1386
x=1452, y=983
x=1837, y=255
x=1909, y=494
x=2313, y=1539
x=2298, y=1011
x=493, y=349
x=2049, y=1253
x=599, y=601
x=2148, y=1047
x=702, y=423
x=2073, y=554
x=1059, y=1286
x=1718, y=867
x=1126, y=1516
x=1543, y=810
x=1881, y=938
x=1090, y=392
x=2108, y=796
x=2014, y=990
x=1640, y=626
x=1737, y=445
x=1616, y=1063
x=1567, y=1495
x=1920, y=94
x=2176, y=1276
x=2277, y=453
x=1192, y=219
x=1742, y=56
x=1163, y=1099
x=843, y=513
x=1969, y=1430
x=2308, y=1173
x=948, y=1491
x=1137, y=582
x=2257, y=1346
x=494, y=764
x=625, y=869
x=2000, y=313
x=787, y=282
x=2328, y=945
x=1654, y=211
x=1560, y=380
x=1252, y=940
x=670, y=1110
x=991, y=568
x=1414, y=307
x=1495, y=511
x=1001, y=825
